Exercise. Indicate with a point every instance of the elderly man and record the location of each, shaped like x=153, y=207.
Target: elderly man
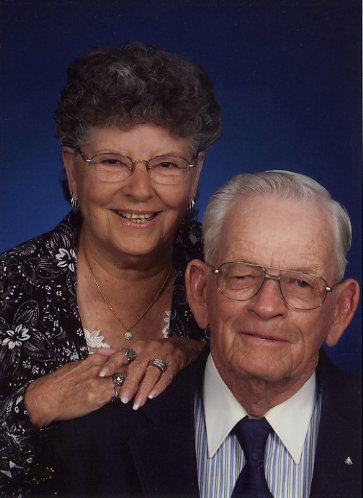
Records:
x=263, y=412
x=272, y=293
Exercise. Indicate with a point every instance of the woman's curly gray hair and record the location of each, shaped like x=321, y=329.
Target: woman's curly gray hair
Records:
x=137, y=84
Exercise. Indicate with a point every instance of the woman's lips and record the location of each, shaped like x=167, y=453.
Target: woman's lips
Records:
x=137, y=218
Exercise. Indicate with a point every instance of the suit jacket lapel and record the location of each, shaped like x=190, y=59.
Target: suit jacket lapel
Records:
x=164, y=451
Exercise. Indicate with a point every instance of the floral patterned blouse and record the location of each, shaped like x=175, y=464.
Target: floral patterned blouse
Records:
x=41, y=330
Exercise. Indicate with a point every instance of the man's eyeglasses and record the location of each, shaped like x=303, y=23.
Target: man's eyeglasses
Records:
x=166, y=170
x=241, y=281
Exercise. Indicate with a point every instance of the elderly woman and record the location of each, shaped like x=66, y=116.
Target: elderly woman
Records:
x=133, y=124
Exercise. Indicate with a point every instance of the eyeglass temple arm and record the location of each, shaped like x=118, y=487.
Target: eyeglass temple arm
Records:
x=83, y=156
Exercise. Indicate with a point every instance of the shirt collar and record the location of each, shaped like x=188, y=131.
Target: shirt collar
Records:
x=290, y=420
x=222, y=410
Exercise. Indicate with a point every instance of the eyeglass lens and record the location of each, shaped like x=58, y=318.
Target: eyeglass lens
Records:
x=240, y=281
x=167, y=170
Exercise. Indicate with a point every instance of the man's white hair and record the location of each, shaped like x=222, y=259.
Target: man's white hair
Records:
x=287, y=184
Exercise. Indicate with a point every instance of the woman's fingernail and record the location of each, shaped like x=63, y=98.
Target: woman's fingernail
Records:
x=136, y=406
x=151, y=395
x=103, y=373
x=124, y=399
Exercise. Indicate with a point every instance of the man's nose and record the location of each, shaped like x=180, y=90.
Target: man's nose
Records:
x=268, y=302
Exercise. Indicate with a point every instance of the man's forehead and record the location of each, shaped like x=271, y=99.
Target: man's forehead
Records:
x=276, y=232
x=249, y=252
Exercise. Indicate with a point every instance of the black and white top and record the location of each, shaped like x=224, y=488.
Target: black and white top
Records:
x=41, y=330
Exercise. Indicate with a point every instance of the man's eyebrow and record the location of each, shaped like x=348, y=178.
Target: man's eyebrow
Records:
x=310, y=268
x=314, y=268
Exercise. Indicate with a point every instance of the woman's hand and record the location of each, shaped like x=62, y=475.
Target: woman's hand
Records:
x=81, y=387
x=147, y=381
x=74, y=390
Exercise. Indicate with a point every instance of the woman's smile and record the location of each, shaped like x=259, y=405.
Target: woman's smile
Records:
x=137, y=218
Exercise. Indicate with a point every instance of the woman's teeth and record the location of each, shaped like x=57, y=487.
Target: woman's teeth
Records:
x=136, y=218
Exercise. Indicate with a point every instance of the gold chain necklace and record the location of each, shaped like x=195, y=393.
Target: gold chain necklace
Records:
x=128, y=334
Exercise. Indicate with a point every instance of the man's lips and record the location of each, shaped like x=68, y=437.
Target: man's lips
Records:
x=264, y=336
x=138, y=218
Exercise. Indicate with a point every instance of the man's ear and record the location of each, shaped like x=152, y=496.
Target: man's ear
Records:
x=69, y=166
x=196, y=287
x=346, y=304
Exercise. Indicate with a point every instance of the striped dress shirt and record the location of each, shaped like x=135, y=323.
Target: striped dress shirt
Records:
x=290, y=448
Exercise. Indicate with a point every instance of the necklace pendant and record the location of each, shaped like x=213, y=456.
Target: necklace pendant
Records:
x=128, y=336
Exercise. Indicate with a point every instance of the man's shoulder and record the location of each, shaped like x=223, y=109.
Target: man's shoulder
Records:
x=337, y=381
x=341, y=399
x=337, y=468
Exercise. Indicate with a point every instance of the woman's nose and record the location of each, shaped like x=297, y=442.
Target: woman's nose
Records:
x=139, y=183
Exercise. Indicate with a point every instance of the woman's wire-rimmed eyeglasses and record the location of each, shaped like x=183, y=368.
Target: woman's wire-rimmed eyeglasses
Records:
x=169, y=169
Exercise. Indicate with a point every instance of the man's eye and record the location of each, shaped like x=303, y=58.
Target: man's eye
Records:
x=240, y=281
x=300, y=283
x=241, y=275
x=303, y=284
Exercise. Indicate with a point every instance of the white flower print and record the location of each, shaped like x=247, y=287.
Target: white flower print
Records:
x=94, y=339
x=16, y=337
x=66, y=258
x=35, y=370
x=166, y=330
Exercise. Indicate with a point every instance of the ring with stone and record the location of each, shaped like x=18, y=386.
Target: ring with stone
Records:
x=118, y=379
x=160, y=364
x=130, y=354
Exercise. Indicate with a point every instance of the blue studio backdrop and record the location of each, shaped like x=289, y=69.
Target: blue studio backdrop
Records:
x=287, y=75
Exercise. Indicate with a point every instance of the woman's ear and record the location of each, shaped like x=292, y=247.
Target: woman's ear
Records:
x=69, y=166
x=196, y=287
x=346, y=304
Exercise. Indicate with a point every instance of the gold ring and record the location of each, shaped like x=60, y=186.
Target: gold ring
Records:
x=160, y=364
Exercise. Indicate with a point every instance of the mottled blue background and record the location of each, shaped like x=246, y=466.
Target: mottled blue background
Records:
x=287, y=75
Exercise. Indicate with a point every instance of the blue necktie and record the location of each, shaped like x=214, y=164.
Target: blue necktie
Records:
x=252, y=436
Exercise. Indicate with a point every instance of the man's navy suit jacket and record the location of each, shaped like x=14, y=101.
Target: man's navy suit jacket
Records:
x=151, y=452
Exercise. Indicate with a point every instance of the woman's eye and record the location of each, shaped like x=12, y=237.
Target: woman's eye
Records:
x=166, y=165
x=111, y=161
x=114, y=161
